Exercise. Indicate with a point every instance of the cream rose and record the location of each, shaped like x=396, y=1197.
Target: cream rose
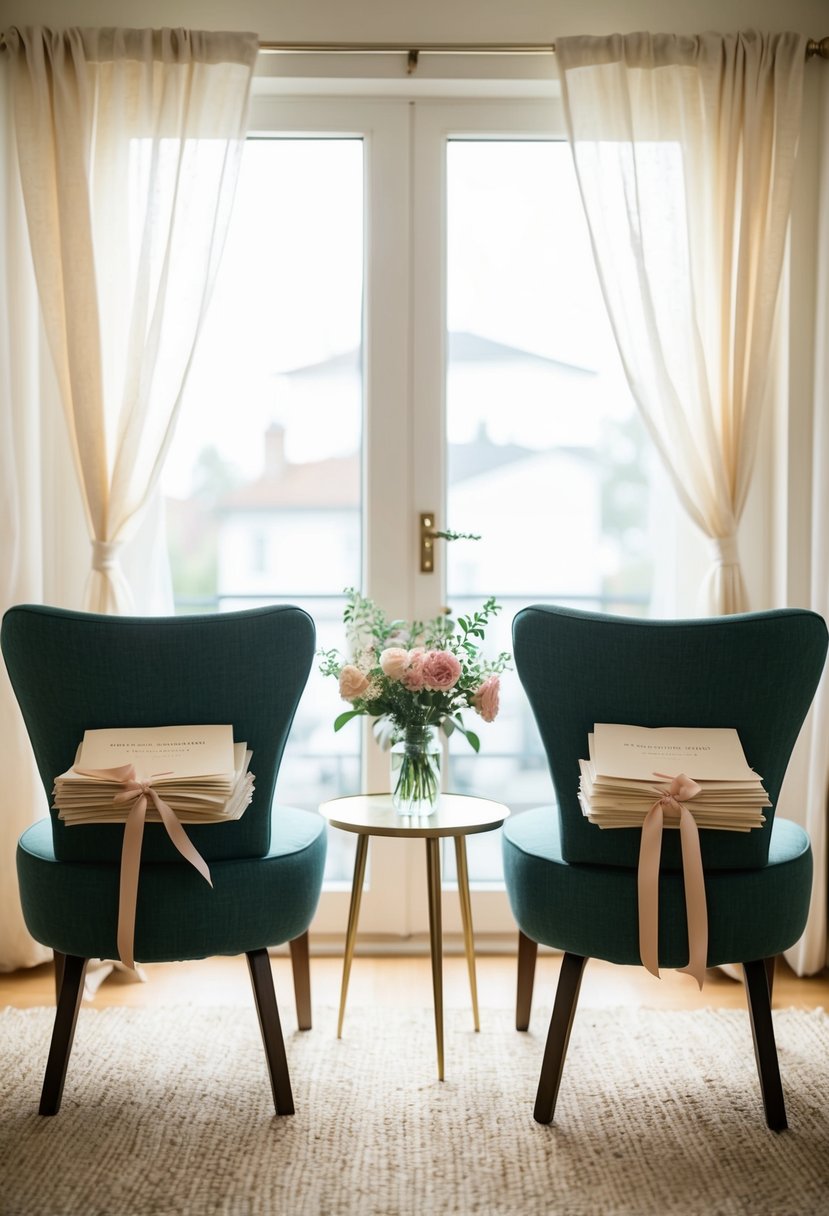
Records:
x=353, y=682
x=394, y=662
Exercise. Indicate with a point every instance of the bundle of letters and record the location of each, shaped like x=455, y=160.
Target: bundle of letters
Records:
x=631, y=767
x=198, y=771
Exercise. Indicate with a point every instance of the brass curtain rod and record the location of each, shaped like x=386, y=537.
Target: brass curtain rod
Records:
x=403, y=48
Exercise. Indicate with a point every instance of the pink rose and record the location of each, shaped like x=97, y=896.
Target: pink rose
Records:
x=441, y=670
x=413, y=676
x=352, y=682
x=394, y=662
x=487, y=699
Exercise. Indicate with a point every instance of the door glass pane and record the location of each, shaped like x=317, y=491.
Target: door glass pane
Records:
x=547, y=459
x=263, y=483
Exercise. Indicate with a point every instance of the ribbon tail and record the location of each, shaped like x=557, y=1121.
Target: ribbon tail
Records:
x=128, y=885
x=180, y=838
x=695, y=905
x=650, y=850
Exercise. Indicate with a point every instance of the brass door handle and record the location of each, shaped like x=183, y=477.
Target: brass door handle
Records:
x=429, y=534
x=427, y=542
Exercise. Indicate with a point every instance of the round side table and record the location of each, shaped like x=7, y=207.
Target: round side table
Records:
x=457, y=816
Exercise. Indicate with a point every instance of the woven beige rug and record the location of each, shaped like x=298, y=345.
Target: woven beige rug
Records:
x=168, y=1111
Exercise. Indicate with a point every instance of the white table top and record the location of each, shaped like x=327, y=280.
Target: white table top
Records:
x=376, y=815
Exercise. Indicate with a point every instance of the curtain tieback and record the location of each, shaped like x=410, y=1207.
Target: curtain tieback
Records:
x=724, y=550
x=680, y=788
x=139, y=793
x=105, y=555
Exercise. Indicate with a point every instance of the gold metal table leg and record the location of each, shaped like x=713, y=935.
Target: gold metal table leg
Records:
x=353, y=915
x=466, y=918
x=436, y=939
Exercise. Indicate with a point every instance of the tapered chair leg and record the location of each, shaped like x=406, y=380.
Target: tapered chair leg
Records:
x=261, y=977
x=60, y=960
x=558, y=1036
x=765, y=1049
x=63, y=1034
x=527, y=953
x=769, y=965
x=301, y=967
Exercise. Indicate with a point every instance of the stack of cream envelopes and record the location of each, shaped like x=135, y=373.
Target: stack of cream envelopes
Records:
x=631, y=767
x=198, y=771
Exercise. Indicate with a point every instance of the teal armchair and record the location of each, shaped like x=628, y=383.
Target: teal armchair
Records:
x=74, y=671
x=573, y=885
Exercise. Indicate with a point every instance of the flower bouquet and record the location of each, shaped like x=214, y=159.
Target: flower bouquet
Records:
x=415, y=679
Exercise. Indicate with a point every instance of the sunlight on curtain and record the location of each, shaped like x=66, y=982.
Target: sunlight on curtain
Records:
x=21, y=576
x=684, y=148
x=806, y=791
x=129, y=146
x=124, y=266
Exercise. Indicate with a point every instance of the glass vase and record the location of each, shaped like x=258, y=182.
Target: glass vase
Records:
x=415, y=771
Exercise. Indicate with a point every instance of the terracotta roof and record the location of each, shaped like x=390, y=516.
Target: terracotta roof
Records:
x=335, y=483
x=316, y=484
x=464, y=347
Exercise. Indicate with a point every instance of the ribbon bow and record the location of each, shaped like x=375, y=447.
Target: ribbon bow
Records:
x=681, y=788
x=140, y=793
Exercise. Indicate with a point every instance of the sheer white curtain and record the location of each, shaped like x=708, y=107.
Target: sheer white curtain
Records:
x=805, y=795
x=127, y=144
x=21, y=567
x=684, y=149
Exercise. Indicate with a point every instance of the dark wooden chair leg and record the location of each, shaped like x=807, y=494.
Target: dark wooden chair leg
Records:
x=769, y=964
x=558, y=1036
x=765, y=1049
x=63, y=1034
x=301, y=967
x=527, y=953
x=261, y=977
x=60, y=960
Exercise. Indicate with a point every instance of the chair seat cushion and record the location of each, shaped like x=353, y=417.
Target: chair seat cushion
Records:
x=255, y=902
x=592, y=910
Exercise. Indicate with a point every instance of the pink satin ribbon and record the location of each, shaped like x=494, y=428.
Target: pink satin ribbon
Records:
x=139, y=793
x=681, y=788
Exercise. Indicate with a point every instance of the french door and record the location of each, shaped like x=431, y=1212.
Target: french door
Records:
x=409, y=313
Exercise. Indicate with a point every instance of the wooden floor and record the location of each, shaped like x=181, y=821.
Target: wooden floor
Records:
x=406, y=981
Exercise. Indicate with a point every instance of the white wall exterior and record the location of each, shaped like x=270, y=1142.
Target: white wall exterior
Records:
x=303, y=552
